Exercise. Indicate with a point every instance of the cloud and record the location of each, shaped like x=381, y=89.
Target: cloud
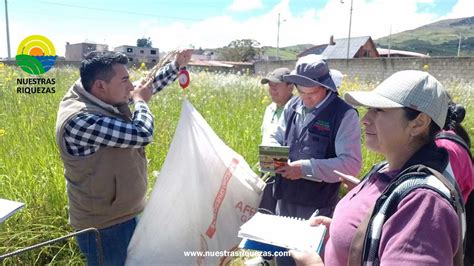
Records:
x=463, y=8
x=312, y=25
x=370, y=18
x=245, y=5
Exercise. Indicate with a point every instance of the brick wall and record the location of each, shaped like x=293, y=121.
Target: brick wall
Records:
x=443, y=68
x=459, y=69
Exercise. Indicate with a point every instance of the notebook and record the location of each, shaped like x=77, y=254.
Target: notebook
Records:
x=267, y=232
x=8, y=208
x=272, y=157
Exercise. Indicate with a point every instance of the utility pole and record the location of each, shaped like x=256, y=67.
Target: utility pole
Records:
x=459, y=44
x=349, y=38
x=8, y=31
x=350, y=24
x=278, y=37
x=389, y=40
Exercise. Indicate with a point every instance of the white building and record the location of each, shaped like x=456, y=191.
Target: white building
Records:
x=139, y=54
x=77, y=51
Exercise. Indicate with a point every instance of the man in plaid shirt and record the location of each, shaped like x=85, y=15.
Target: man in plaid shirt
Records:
x=102, y=147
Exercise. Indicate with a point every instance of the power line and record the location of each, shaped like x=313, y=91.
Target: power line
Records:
x=21, y=12
x=119, y=11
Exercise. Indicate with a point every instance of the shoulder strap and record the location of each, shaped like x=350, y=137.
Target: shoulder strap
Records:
x=358, y=242
x=460, y=210
x=455, y=138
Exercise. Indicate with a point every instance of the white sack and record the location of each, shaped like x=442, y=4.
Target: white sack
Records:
x=204, y=193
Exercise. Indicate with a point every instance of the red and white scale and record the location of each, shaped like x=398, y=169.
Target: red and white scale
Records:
x=183, y=78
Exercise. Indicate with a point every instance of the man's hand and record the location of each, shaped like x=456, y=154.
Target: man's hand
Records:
x=142, y=91
x=183, y=57
x=292, y=170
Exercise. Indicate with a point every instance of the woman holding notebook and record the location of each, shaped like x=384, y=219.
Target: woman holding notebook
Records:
x=402, y=212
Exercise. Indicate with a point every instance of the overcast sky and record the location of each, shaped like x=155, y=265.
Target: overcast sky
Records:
x=211, y=24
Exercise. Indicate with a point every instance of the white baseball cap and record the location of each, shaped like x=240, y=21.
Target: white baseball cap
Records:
x=414, y=89
x=337, y=77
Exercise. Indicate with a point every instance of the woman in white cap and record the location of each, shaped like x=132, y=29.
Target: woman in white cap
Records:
x=391, y=217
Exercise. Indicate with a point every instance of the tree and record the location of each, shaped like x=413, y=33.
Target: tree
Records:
x=244, y=50
x=144, y=42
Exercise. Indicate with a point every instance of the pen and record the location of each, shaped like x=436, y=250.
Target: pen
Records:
x=315, y=213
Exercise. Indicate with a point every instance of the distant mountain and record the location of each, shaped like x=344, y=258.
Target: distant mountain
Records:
x=286, y=53
x=438, y=39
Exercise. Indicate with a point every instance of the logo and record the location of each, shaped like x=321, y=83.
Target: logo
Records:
x=36, y=55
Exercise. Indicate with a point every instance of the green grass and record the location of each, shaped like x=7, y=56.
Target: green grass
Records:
x=31, y=170
x=286, y=53
x=283, y=53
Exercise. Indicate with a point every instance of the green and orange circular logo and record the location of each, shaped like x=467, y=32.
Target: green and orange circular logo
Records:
x=36, y=55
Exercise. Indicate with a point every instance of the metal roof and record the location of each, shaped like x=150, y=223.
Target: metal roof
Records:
x=339, y=49
x=317, y=49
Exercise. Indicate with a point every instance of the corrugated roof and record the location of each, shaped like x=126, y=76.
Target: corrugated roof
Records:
x=339, y=49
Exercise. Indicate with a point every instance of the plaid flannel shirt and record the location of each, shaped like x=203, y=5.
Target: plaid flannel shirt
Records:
x=86, y=132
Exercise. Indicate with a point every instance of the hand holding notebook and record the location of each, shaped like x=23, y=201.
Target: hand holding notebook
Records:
x=283, y=232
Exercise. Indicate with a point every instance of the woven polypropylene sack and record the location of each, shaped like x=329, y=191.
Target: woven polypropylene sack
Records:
x=204, y=193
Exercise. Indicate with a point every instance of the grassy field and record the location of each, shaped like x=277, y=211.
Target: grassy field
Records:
x=31, y=170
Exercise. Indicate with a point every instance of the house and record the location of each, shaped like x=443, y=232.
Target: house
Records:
x=398, y=53
x=137, y=54
x=359, y=47
x=77, y=51
x=204, y=55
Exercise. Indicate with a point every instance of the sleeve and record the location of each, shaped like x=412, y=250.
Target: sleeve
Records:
x=96, y=130
x=165, y=76
x=278, y=137
x=424, y=230
x=265, y=125
x=348, y=158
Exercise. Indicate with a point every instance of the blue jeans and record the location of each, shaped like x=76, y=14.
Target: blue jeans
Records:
x=115, y=241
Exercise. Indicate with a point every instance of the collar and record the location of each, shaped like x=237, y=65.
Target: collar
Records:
x=78, y=89
x=431, y=156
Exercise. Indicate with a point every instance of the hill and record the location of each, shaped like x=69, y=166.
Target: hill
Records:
x=285, y=53
x=438, y=39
